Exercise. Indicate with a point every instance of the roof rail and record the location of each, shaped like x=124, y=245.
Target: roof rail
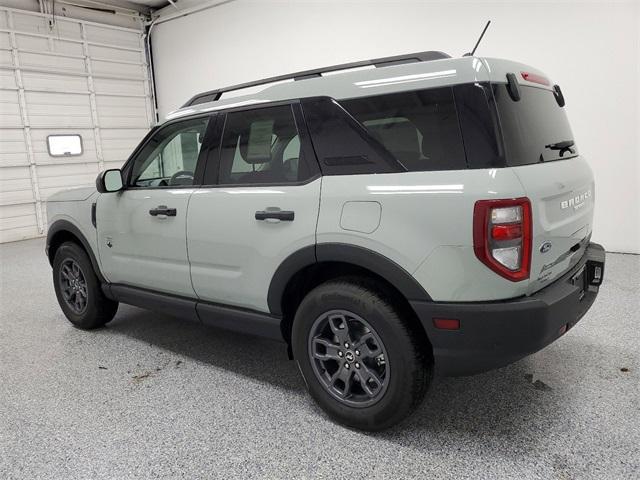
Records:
x=213, y=95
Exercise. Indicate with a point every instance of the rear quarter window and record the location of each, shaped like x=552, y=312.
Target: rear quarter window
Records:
x=420, y=129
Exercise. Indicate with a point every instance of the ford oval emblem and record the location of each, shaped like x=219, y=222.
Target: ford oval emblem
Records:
x=545, y=247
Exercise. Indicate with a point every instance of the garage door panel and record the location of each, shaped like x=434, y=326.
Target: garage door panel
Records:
x=5, y=40
x=14, y=217
x=121, y=38
x=15, y=234
x=108, y=105
x=53, y=178
x=12, y=223
x=11, y=159
x=123, y=87
x=6, y=57
x=51, y=61
x=118, y=144
x=42, y=44
x=115, y=112
x=8, y=80
x=25, y=23
x=16, y=190
x=9, y=109
x=71, y=110
x=14, y=173
x=126, y=70
x=41, y=152
x=108, y=53
x=13, y=150
x=117, y=154
x=39, y=137
x=54, y=83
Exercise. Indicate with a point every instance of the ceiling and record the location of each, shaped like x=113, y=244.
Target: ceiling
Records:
x=148, y=3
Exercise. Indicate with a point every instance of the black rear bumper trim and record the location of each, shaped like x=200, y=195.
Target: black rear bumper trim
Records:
x=495, y=334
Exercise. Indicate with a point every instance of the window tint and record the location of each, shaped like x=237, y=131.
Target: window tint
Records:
x=262, y=146
x=479, y=125
x=343, y=146
x=420, y=129
x=535, y=128
x=170, y=156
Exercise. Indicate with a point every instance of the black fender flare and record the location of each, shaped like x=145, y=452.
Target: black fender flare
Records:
x=344, y=253
x=66, y=226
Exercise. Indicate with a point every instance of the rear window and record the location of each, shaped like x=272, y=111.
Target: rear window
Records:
x=535, y=128
x=420, y=129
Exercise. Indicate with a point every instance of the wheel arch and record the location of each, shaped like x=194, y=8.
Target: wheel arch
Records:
x=306, y=268
x=64, y=231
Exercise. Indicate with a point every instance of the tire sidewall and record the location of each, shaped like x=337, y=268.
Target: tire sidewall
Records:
x=73, y=252
x=395, y=402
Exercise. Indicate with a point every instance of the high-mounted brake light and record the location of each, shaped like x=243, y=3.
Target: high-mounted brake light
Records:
x=535, y=78
x=502, y=236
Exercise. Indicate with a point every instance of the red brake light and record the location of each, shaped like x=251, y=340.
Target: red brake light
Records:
x=502, y=236
x=535, y=78
x=506, y=232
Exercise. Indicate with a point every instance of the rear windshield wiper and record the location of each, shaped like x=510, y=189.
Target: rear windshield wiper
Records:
x=564, y=146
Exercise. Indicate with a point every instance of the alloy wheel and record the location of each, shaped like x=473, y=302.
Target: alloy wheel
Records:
x=73, y=286
x=348, y=358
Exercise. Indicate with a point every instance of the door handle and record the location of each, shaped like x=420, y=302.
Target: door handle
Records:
x=284, y=215
x=163, y=210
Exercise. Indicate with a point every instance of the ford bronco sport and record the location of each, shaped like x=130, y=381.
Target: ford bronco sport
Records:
x=389, y=220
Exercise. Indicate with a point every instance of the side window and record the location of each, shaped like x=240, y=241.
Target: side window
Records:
x=343, y=146
x=261, y=146
x=170, y=156
x=420, y=129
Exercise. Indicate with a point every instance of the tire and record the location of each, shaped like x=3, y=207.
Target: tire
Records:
x=397, y=382
x=78, y=289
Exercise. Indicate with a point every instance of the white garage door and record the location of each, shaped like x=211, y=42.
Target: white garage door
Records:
x=76, y=78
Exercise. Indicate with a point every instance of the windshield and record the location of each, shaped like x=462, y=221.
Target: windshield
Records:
x=535, y=128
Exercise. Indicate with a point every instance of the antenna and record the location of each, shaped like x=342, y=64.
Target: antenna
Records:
x=479, y=40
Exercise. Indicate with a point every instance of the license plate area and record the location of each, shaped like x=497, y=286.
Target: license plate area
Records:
x=589, y=277
x=579, y=280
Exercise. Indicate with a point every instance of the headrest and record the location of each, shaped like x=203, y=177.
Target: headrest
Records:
x=432, y=142
x=400, y=138
x=255, y=142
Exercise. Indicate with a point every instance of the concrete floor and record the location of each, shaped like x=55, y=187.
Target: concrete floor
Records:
x=153, y=397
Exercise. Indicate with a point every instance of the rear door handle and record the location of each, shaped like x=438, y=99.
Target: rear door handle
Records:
x=163, y=210
x=283, y=215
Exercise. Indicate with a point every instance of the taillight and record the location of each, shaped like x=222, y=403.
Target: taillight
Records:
x=502, y=236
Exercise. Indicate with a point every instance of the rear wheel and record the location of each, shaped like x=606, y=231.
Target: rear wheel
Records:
x=78, y=289
x=364, y=364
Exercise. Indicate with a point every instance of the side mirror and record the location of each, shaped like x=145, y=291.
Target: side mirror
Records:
x=109, y=181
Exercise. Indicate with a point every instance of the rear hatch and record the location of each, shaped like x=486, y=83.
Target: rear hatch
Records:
x=540, y=148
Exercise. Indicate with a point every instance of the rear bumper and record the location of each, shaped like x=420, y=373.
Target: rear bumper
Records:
x=494, y=334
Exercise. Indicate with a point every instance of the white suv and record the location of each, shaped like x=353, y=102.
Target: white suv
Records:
x=388, y=220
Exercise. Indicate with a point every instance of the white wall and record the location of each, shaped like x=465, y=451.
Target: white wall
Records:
x=592, y=49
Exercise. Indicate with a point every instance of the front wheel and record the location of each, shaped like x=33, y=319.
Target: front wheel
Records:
x=363, y=362
x=78, y=289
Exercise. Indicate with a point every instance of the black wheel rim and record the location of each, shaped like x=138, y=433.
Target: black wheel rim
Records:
x=348, y=358
x=73, y=286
